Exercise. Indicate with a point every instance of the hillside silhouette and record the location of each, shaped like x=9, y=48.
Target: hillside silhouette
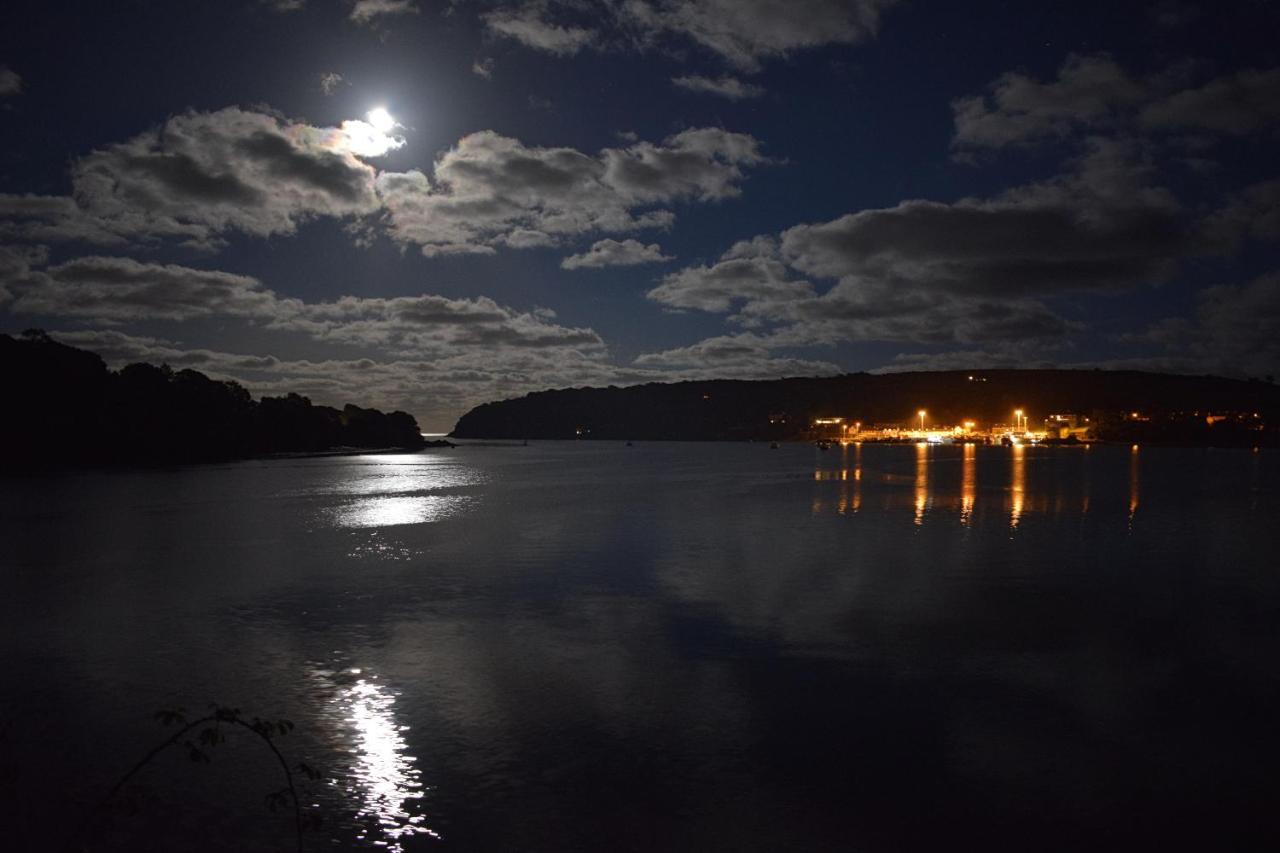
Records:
x=1173, y=409
x=63, y=406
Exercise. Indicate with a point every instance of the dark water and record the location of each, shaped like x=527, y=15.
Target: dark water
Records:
x=665, y=647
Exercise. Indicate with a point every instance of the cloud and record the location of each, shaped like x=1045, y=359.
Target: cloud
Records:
x=530, y=26
x=743, y=33
x=10, y=82
x=746, y=32
x=489, y=188
x=1093, y=93
x=1234, y=329
x=957, y=360
x=330, y=81
x=483, y=68
x=112, y=290
x=121, y=289
x=1240, y=325
x=284, y=5
x=51, y=219
x=614, y=253
x=199, y=175
x=367, y=11
x=1098, y=228
x=1172, y=14
x=719, y=286
x=1235, y=104
x=1252, y=212
x=978, y=272
x=726, y=86
x=744, y=356
x=702, y=163
x=428, y=324
x=1019, y=109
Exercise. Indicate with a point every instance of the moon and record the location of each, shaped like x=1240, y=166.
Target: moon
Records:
x=381, y=120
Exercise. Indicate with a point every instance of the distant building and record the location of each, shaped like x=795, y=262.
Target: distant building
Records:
x=1066, y=426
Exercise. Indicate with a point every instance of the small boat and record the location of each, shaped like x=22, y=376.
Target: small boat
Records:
x=773, y=445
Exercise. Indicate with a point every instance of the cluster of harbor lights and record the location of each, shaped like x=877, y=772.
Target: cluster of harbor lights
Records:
x=966, y=432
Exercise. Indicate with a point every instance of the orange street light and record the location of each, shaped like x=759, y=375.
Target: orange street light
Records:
x=921, y=413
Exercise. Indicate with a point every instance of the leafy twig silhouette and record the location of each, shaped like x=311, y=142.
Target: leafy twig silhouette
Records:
x=210, y=731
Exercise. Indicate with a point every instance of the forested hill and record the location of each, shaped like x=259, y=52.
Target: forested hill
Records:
x=1173, y=408
x=63, y=406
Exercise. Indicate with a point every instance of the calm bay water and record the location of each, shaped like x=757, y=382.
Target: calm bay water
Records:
x=581, y=646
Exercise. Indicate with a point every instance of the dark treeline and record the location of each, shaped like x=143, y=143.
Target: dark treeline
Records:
x=1174, y=409
x=63, y=406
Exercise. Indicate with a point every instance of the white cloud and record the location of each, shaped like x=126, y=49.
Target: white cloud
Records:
x=488, y=189
x=743, y=356
x=1098, y=227
x=1252, y=212
x=971, y=272
x=117, y=290
x=614, y=253
x=718, y=287
x=1088, y=90
x=330, y=81
x=746, y=32
x=10, y=82
x=1234, y=329
x=1093, y=93
x=726, y=86
x=1236, y=104
x=121, y=289
x=200, y=175
x=530, y=26
x=367, y=11
x=483, y=68
x=743, y=33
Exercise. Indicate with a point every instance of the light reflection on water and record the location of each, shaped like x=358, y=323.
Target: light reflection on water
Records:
x=1018, y=486
x=922, y=481
x=384, y=784
x=387, y=511
x=961, y=482
x=969, y=483
x=387, y=475
x=1134, y=464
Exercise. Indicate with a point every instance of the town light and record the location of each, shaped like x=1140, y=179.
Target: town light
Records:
x=921, y=413
x=1017, y=414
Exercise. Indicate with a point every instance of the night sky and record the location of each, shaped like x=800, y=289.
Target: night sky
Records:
x=421, y=205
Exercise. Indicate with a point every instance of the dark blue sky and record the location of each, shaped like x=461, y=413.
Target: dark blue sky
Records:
x=586, y=192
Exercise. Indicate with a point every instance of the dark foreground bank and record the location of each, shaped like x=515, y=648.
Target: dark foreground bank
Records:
x=64, y=407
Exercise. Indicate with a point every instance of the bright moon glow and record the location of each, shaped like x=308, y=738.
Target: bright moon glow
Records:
x=372, y=137
x=382, y=120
